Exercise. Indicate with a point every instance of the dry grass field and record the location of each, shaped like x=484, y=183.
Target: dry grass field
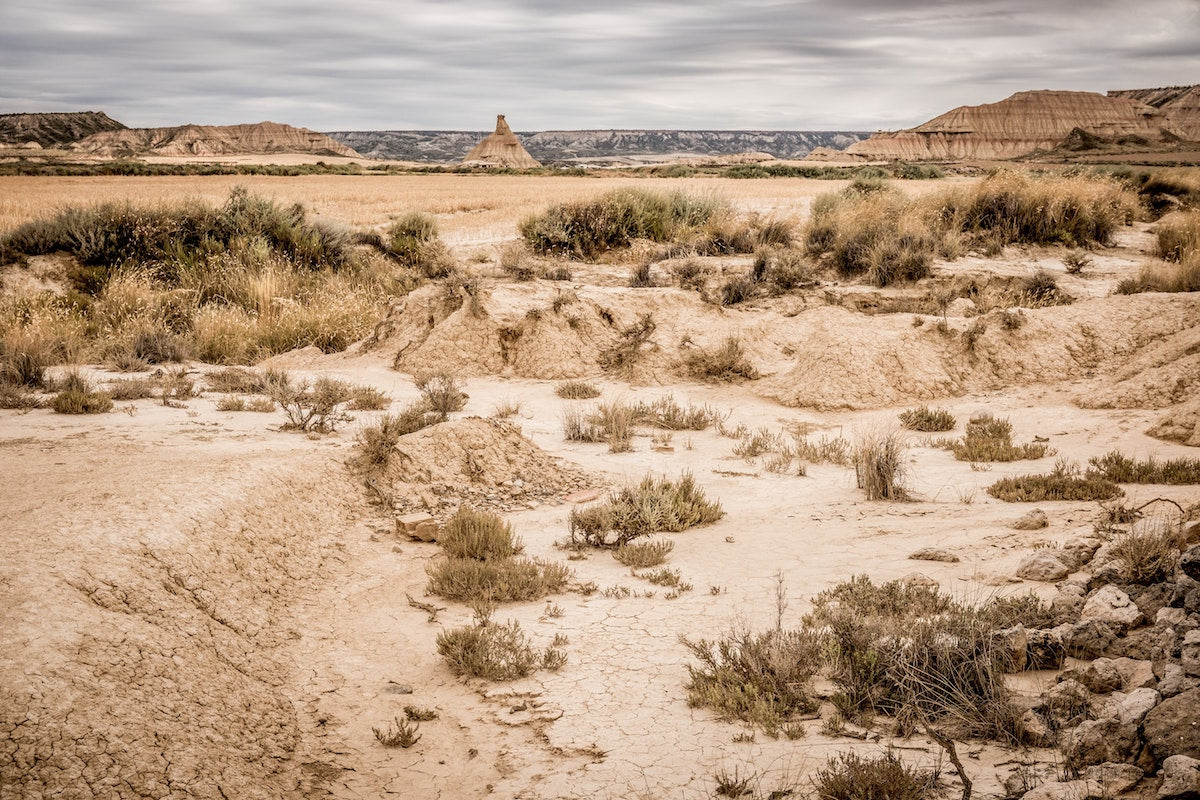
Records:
x=389, y=566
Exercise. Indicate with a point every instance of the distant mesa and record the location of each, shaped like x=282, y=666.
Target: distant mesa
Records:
x=53, y=130
x=500, y=149
x=1040, y=121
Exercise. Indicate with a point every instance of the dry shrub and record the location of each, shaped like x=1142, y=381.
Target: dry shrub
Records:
x=737, y=289
x=413, y=240
x=514, y=260
x=988, y=438
x=927, y=420
x=468, y=580
x=879, y=465
x=377, y=442
x=825, y=450
x=1040, y=290
x=577, y=390
x=782, y=270
x=1120, y=468
x=640, y=555
x=1181, y=277
x=76, y=395
x=236, y=380
x=652, y=506
x=442, y=392
x=312, y=407
x=849, y=776
x=1076, y=261
x=494, y=652
x=689, y=274
x=668, y=414
x=368, y=398
x=233, y=402
x=1177, y=237
x=1053, y=486
x=726, y=363
x=480, y=535
x=1149, y=555
x=641, y=276
x=628, y=348
x=400, y=733
x=130, y=389
x=879, y=233
x=763, y=679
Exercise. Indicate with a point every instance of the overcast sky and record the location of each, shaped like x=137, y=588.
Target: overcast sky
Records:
x=562, y=64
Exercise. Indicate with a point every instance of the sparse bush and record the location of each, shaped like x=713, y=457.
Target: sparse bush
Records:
x=1178, y=236
x=1039, y=488
x=988, y=438
x=236, y=380
x=1181, y=277
x=879, y=466
x=1026, y=609
x=628, y=349
x=15, y=397
x=76, y=395
x=606, y=422
x=653, y=506
x=1076, y=261
x=763, y=679
x=928, y=420
x=825, y=450
x=442, y=392
x=849, y=776
x=1041, y=289
x=667, y=413
x=480, y=535
x=726, y=363
x=737, y=289
x=879, y=233
x=640, y=555
x=1148, y=556
x=784, y=270
x=641, y=277
x=615, y=219
x=493, y=652
x=514, y=260
x=24, y=358
x=577, y=390
x=377, y=442
x=232, y=402
x=367, y=398
x=1120, y=468
x=175, y=386
x=312, y=407
x=400, y=733
x=689, y=274
x=130, y=389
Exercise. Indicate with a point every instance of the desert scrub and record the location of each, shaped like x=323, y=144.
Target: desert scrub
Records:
x=413, y=240
x=1148, y=555
x=442, y=392
x=1120, y=468
x=400, y=733
x=927, y=420
x=725, y=363
x=653, y=506
x=849, y=776
x=313, y=407
x=1053, y=486
x=577, y=390
x=480, y=535
x=1177, y=236
x=669, y=414
x=223, y=284
x=613, y=220
x=377, y=442
x=879, y=466
x=494, y=652
x=76, y=395
x=989, y=438
x=640, y=555
x=763, y=679
x=625, y=353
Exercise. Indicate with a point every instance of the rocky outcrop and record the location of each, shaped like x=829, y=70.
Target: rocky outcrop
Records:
x=54, y=129
x=212, y=140
x=1032, y=121
x=501, y=149
x=1179, y=104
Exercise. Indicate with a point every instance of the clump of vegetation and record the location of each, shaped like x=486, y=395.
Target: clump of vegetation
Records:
x=628, y=348
x=1120, y=468
x=989, y=438
x=652, y=506
x=76, y=395
x=313, y=407
x=669, y=414
x=413, y=239
x=879, y=466
x=849, y=776
x=1148, y=556
x=236, y=380
x=577, y=390
x=781, y=269
x=233, y=402
x=640, y=555
x=616, y=219
x=480, y=563
x=1041, y=289
x=737, y=289
x=1026, y=609
x=494, y=652
x=514, y=260
x=400, y=733
x=1178, y=236
x=134, y=389
x=377, y=442
x=442, y=392
x=725, y=363
x=1053, y=486
x=927, y=420
x=1076, y=261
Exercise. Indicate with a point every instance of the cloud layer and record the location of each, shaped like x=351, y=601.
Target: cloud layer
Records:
x=454, y=64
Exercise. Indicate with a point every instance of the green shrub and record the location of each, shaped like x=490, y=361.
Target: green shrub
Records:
x=652, y=506
x=493, y=652
x=480, y=535
x=413, y=239
x=640, y=555
x=1039, y=488
x=928, y=420
x=76, y=395
x=849, y=776
x=989, y=438
x=1119, y=468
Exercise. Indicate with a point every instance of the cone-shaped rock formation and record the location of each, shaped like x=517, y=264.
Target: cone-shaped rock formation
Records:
x=501, y=149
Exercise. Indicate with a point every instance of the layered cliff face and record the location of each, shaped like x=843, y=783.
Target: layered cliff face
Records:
x=54, y=129
x=212, y=140
x=501, y=149
x=1179, y=104
x=1022, y=124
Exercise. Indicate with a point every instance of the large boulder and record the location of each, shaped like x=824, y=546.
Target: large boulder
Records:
x=1110, y=605
x=1088, y=638
x=1172, y=728
x=1181, y=778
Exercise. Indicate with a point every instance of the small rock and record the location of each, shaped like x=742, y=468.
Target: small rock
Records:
x=1181, y=778
x=1136, y=705
x=917, y=579
x=397, y=688
x=960, y=307
x=1113, y=779
x=1100, y=676
x=1033, y=521
x=1044, y=650
x=1189, y=562
x=1135, y=673
x=1088, y=638
x=1068, y=603
x=1065, y=703
x=583, y=496
x=1174, y=681
x=1037, y=732
x=1111, y=606
x=1189, y=654
x=1012, y=648
x=1042, y=565
x=934, y=554
x=1172, y=728
x=1171, y=616
x=1078, y=552
x=1099, y=740
x=419, y=525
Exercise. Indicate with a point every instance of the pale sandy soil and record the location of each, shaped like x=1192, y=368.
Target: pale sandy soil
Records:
x=194, y=603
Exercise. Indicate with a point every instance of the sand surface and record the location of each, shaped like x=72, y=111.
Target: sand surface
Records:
x=194, y=603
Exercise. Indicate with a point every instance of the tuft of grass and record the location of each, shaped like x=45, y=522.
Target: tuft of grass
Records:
x=399, y=733
x=641, y=276
x=494, y=652
x=577, y=390
x=628, y=348
x=1041, y=289
x=726, y=363
x=927, y=420
x=413, y=240
x=849, y=776
x=988, y=438
x=76, y=395
x=640, y=555
x=442, y=392
x=367, y=398
x=668, y=414
x=514, y=260
x=879, y=466
x=17, y=397
x=1149, y=556
x=1120, y=468
x=652, y=506
x=130, y=389
x=1053, y=486
x=236, y=380
x=1076, y=261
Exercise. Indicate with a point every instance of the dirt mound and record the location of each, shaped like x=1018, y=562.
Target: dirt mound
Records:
x=212, y=140
x=1180, y=424
x=1161, y=375
x=478, y=462
x=140, y=645
x=1020, y=124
